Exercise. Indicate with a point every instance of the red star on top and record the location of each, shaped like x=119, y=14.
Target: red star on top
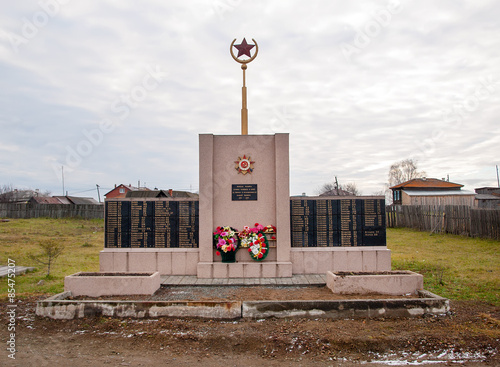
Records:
x=244, y=48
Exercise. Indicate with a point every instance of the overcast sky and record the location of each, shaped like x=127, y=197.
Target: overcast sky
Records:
x=117, y=91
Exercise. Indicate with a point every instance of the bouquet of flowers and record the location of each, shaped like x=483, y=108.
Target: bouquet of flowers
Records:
x=225, y=239
x=271, y=230
x=255, y=240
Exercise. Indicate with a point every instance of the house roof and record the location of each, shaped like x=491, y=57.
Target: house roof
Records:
x=129, y=187
x=145, y=194
x=46, y=200
x=81, y=200
x=160, y=194
x=63, y=200
x=440, y=193
x=487, y=197
x=184, y=194
x=427, y=183
x=336, y=192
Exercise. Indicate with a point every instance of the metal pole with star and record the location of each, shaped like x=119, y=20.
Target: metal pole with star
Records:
x=244, y=50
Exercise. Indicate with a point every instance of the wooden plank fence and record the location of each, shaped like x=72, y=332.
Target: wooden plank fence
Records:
x=24, y=211
x=456, y=219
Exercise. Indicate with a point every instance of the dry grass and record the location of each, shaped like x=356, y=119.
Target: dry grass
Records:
x=82, y=241
x=455, y=267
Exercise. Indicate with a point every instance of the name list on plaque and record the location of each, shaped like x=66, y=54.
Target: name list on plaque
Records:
x=244, y=192
x=155, y=223
x=338, y=222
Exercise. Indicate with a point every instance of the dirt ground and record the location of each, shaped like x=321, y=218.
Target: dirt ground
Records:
x=468, y=336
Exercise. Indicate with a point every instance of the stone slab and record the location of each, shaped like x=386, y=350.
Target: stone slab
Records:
x=393, y=283
x=112, y=284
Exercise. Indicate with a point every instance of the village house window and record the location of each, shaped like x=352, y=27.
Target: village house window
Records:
x=396, y=196
x=122, y=191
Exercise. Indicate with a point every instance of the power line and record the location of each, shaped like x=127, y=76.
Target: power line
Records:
x=79, y=192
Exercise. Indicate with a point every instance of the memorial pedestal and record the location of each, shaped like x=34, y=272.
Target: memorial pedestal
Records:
x=232, y=194
x=244, y=270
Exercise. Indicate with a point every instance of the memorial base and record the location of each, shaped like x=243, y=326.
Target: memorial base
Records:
x=319, y=260
x=167, y=261
x=244, y=270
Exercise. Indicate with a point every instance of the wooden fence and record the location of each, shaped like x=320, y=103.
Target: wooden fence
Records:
x=456, y=219
x=24, y=211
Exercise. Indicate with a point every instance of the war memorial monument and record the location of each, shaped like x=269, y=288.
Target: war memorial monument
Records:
x=244, y=181
x=244, y=229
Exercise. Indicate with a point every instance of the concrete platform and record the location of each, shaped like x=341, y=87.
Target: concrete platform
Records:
x=62, y=308
x=302, y=280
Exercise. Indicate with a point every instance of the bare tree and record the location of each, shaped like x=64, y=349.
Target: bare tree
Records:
x=386, y=193
x=6, y=193
x=50, y=252
x=351, y=188
x=9, y=194
x=327, y=187
x=403, y=171
x=336, y=189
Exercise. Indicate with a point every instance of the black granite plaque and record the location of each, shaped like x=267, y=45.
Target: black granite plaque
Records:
x=244, y=192
x=374, y=237
x=337, y=222
x=151, y=223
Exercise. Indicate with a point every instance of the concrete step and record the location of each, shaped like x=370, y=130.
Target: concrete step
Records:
x=296, y=280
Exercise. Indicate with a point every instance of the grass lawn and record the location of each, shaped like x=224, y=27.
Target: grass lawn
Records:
x=82, y=241
x=455, y=267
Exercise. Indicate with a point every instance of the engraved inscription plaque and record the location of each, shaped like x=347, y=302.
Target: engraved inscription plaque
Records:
x=244, y=192
x=151, y=223
x=337, y=222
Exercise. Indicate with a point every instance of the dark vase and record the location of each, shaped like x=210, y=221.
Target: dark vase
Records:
x=228, y=257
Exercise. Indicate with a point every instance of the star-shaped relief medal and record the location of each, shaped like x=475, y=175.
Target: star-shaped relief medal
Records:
x=244, y=48
x=244, y=165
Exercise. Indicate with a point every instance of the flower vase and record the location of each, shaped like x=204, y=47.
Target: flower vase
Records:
x=228, y=257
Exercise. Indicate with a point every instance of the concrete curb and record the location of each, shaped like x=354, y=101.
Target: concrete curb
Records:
x=62, y=309
x=58, y=307
x=347, y=309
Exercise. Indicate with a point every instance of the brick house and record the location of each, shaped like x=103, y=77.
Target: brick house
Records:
x=121, y=191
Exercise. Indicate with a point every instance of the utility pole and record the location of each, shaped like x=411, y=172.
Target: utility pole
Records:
x=62, y=170
x=98, y=194
x=498, y=179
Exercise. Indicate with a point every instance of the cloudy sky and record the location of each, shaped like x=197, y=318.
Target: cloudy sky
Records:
x=117, y=91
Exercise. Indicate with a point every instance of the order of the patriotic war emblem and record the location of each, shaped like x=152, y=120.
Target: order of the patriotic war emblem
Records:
x=244, y=165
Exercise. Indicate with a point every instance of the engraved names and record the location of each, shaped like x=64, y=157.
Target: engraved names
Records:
x=151, y=223
x=337, y=222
